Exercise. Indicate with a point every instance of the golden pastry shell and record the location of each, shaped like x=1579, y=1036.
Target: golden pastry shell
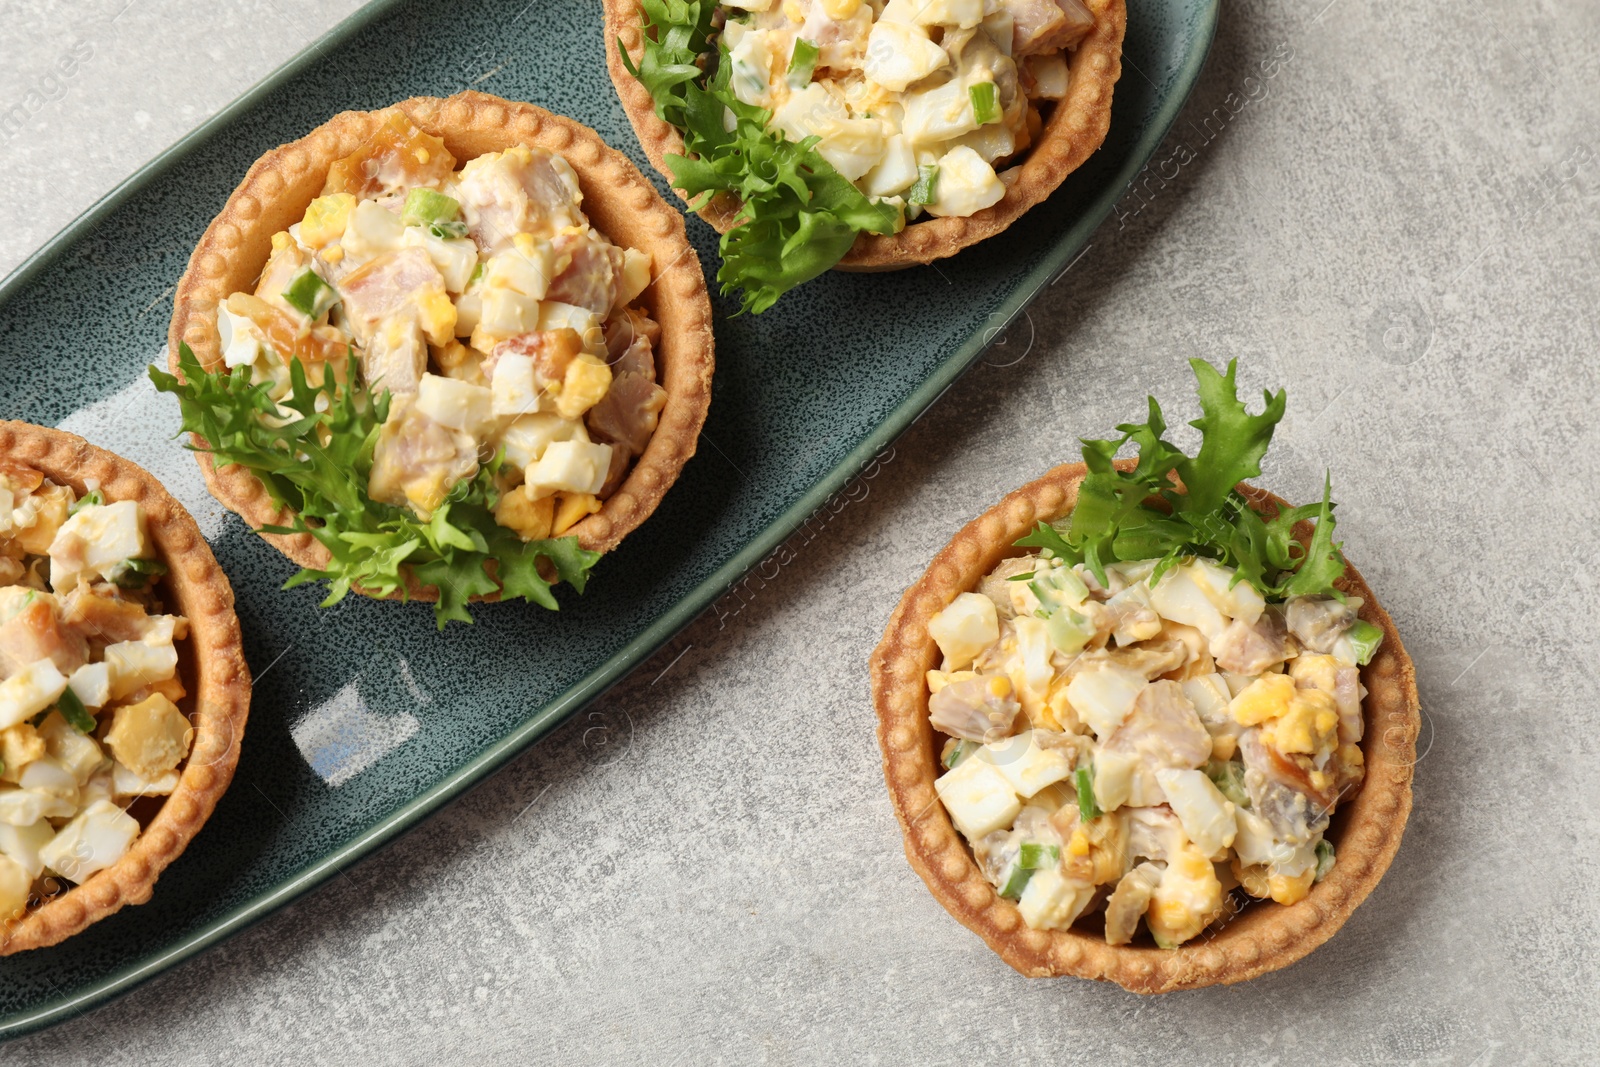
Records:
x=1076, y=128
x=1263, y=936
x=218, y=702
x=620, y=203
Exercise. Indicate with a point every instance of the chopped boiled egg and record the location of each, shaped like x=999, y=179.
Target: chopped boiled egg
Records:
x=1104, y=696
x=94, y=540
x=134, y=665
x=151, y=737
x=1027, y=766
x=967, y=626
x=457, y=404
x=967, y=184
x=978, y=797
x=29, y=691
x=569, y=466
x=95, y=839
x=1051, y=901
x=1207, y=815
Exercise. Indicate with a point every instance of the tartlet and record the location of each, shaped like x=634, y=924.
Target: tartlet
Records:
x=211, y=669
x=616, y=198
x=1242, y=943
x=1075, y=128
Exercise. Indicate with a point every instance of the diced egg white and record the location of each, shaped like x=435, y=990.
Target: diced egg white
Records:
x=1051, y=902
x=1177, y=596
x=24, y=807
x=29, y=691
x=1104, y=696
x=1050, y=75
x=1207, y=815
x=372, y=231
x=129, y=783
x=896, y=172
x=457, y=404
x=569, y=467
x=967, y=626
x=94, y=540
x=95, y=839
x=15, y=884
x=454, y=258
x=241, y=341
x=22, y=844
x=1025, y=765
x=527, y=269
x=527, y=437
x=134, y=665
x=966, y=184
x=978, y=797
x=901, y=53
x=91, y=683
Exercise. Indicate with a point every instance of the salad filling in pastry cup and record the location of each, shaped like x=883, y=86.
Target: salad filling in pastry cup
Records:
x=123, y=686
x=453, y=349
x=1142, y=722
x=861, y=134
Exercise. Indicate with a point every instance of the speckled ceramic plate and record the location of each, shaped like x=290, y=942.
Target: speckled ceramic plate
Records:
x=365, y=719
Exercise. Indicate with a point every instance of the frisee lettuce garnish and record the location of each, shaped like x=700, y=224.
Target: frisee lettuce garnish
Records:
x=1139, y=514
x=315, y=464
x=800, y=216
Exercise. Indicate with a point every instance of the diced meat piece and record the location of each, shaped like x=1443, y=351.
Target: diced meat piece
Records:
x=1040, y=26
x=996, y=585
x=395, y=358
x=398, y=156
x=631, y=337
x=1154, y=833
x=107, y=620
x=1317, y=622
x=1281, y=792
x=616, y=472
x=977, y=709
x=285, y=264
x=1128, y=902
x=1347, y=694
x=388, y=286
x=37, y=633
x=520, y=190
x=628, y=413
x=1150, y=658
x=417, y=461
x=289, y=337
x=552, y=352
x=589, y=277
x=1244, y=649
x=1163, y=730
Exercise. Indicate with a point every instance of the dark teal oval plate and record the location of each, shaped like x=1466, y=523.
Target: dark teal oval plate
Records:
x=365, y=719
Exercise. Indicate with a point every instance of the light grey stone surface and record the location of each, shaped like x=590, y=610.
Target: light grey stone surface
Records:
x=1399, y=227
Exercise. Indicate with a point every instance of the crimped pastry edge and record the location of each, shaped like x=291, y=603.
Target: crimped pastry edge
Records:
x=1263, y=936
x=1076, y=129
x=619, y=201
x=197, y=588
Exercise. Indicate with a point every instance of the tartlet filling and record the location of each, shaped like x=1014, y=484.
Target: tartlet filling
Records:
x=481, y=300
x=916, y=102
x=1133, y=749
x=89, y=688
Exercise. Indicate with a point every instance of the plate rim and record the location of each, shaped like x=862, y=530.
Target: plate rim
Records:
x=697, y=601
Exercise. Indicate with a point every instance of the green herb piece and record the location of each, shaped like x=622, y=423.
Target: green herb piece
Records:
x=1068, y=631
x=1139, y=513
x=94, y=498
x=1015, y=880
x=310, y=295
x=477, y=275
x=1228, y=777
x=425, y=207
x=1059, y=587
x=957, y=751
x=1364, y=640
x=802, y=62
x=135, y=573
x=315, y=463
x=1087, y=807
x=1021, y=577
x=1325, y=859
x=1036, y=857
x=72, y=710
x=448, y=231
x=926, y=188
x=799, y=215
x=985, y=102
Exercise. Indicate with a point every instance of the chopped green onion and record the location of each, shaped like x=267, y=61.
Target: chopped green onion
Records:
x=477, y=273
x=424, y=207
x=310, y=295
x=448, y=231
x=957, y=751
x=1021, y=577
x=72, y=710
x=1068, y=631
x=985, y=102
x=92, y=499
x=1325, y=859
x=1016, y=880
x=802, y=62
x=926, y=186
x=1086, y=802
x=1060, y=587
x=1364, y=639
x=1039, y=857
x=1228, y=777
x=135, y=573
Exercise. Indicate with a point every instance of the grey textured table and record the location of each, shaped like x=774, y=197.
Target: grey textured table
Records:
x=1400, y=227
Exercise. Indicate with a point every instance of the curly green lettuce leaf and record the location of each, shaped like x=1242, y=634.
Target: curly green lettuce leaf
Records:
x=799, y=215
x=1140, y=514
x=312, y=450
